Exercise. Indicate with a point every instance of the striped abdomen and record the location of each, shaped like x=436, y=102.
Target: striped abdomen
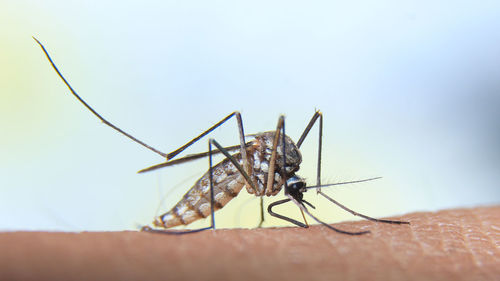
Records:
x=196, y=202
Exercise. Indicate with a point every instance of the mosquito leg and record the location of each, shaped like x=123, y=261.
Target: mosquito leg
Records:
x=281, y=124
x=305, y=210
x=313, y=120
x=212, y=196
x=284, y=152
x=189, y=143
x=272, y=167
x=261, y=212
x=315, y=117
x=173, y=232
x=272, y=161
x=242, y=147
x=360, y=215
x=320, y=145
x=188, y=158
x=304, y=217
x=91, y=109
x=241, y=131
x=270, y=211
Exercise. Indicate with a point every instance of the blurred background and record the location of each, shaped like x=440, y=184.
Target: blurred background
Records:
x=410, y=92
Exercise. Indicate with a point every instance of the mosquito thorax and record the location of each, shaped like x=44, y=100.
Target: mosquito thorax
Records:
x=292, y=152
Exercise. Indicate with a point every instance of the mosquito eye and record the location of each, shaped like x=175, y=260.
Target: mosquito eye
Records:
x=297, y=186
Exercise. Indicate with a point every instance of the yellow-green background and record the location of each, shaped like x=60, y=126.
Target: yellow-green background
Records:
x=409, y=91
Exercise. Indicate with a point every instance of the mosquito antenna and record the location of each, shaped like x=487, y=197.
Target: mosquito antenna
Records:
x=341, y=183
x=90, y=108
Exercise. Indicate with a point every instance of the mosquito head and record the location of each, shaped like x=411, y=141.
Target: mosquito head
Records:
x=295, y=187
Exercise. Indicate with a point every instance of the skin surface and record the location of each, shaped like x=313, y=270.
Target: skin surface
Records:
x=461, y=244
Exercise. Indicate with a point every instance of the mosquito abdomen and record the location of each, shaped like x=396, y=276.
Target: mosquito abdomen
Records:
x=195, y=204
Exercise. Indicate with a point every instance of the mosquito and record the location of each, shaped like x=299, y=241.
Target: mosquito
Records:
x=264, y=166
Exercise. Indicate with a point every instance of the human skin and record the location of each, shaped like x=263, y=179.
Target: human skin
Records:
x=460, y=244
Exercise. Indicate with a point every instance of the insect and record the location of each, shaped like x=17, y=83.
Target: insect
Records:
x=263, y=166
